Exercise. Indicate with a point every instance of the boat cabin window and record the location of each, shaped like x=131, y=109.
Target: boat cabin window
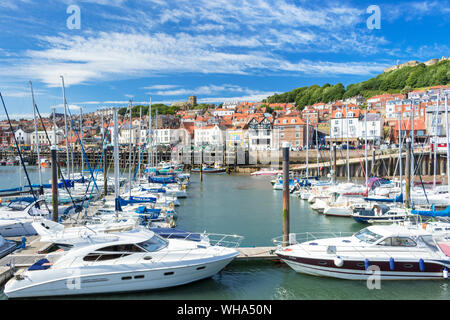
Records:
x=368, y=236
x=154, y=244
x=398, y=242
x=122, y=248
x=429, y=242
x=103, y=257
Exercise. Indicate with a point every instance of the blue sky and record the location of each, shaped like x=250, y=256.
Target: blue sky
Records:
x=218, y=50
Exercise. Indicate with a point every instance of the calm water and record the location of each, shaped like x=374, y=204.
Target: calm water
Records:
x=249, y=207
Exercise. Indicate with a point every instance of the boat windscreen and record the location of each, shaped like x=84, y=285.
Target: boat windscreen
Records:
x=153, y=244
x=368, y=236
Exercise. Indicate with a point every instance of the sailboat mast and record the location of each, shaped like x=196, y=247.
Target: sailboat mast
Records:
x=307, y=145
x=156, y=129
x=116, y=164
x=348, y=155
x=317, y=145
x=365, y=151
x=129, y=151
x=65, y=127
x=448, y=145
x=37, y=138
x=435, y=141
x=81, y=141
x=139, y=143
x=71, y=146
x=412, y=141
x=150, y=135
x=400, y=149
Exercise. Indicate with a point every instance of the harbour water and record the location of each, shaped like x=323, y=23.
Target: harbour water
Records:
x=248, y=206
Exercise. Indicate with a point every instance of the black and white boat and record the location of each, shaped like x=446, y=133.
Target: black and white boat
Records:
x=398, y=252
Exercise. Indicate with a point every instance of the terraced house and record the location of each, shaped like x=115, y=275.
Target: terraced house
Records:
x=292, y=130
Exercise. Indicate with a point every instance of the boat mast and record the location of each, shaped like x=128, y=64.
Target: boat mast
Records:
x=129, y=149
x=139, y=144
x=307, y=145
x=412, y=142
x=71, y=145
x=81, y=141
x=448, y=146
x=435, y=141
x=348, y=155
x=317, y=146
x=400, y=150
x=116, y=165
x=65, y=127
x=156, y=129
x=150, y=147
x=365, y=151
x=37, y=139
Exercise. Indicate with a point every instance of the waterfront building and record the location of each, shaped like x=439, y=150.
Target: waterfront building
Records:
x=23, y=136
x=435, y=120
x=344, y=124
x=213, y=135
x=237, y=137
x=374, y=127
x=167, y=136
x=260, y=133
x=292, y=130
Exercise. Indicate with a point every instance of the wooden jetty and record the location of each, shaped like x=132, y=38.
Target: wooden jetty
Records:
x=256, y=253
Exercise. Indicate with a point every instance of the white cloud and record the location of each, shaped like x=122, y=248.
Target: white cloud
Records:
x=248, y=98
x=128, y=55
x=202, y=90
x=161, y=87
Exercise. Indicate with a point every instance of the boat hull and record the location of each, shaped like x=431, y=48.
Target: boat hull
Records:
x=355, y=270
x=338, y=212
x=98, y=280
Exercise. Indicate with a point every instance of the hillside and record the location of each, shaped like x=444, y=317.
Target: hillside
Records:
x=396, y=81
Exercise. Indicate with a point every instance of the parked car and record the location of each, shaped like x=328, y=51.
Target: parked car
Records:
x=384, y=147
x=344, y=147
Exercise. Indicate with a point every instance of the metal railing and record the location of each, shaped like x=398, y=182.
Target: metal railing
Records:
x=308, y=236
x=366, y=251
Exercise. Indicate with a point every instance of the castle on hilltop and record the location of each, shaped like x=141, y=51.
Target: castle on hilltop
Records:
x=415, y=63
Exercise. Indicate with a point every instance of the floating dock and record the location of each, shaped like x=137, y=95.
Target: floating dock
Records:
x=256, y=253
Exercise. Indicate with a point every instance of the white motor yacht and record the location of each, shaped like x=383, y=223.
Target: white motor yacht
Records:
x=131, y=261
x=398, y=252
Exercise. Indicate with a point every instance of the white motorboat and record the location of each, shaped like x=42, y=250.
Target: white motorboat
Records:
x=266, y=172
x=132, y=261
x=395, y=252
x=16, y=219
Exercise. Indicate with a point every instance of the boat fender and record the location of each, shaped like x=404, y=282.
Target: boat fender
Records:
x=23, y=244
x=338, y=261
x=366, y=263
x=421, y=265
x=445, y=273
x=392, y=264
